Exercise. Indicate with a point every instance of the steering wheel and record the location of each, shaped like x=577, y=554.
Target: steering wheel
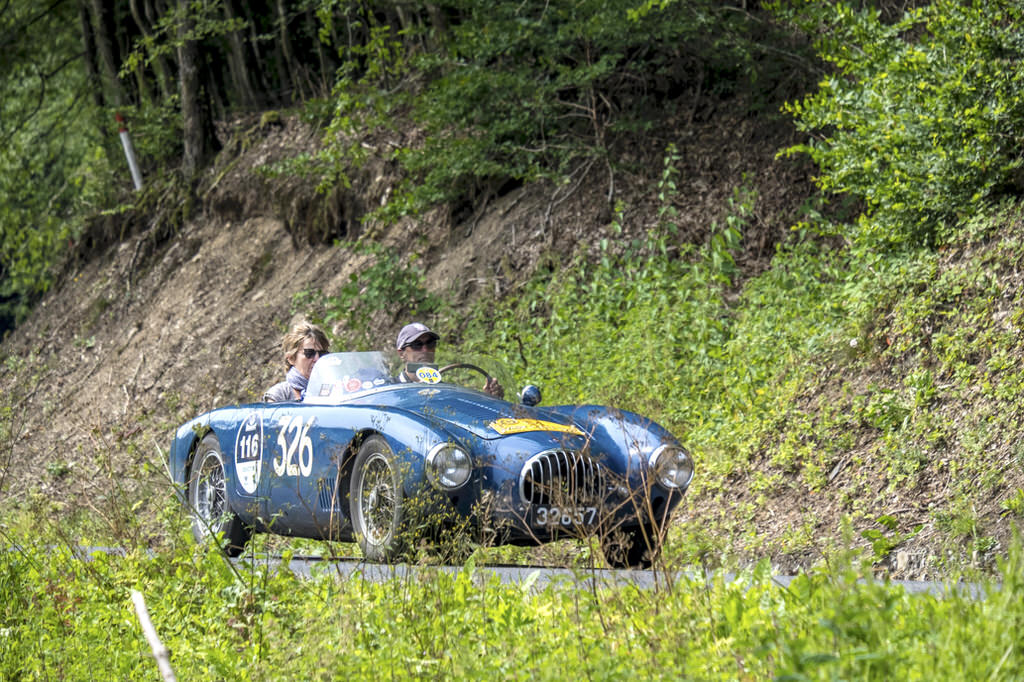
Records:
x=465, y=365
x=498, y=391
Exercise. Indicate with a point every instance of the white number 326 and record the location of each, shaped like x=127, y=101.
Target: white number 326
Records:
x=296, y=455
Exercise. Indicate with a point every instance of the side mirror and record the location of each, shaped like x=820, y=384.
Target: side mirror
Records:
x=530, y=395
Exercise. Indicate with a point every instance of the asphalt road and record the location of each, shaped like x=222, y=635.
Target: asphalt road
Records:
x=539, y=576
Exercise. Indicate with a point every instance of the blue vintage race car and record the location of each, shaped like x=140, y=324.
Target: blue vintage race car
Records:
x=388, y=464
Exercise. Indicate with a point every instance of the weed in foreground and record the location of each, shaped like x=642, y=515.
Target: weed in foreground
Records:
x=67, y=617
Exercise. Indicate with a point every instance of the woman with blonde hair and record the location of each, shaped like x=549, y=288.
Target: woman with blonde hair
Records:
x=301, y=347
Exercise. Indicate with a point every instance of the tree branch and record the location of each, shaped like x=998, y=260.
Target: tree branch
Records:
x=21, y=30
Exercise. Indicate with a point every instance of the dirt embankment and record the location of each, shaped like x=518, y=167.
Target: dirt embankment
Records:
x=152, y=330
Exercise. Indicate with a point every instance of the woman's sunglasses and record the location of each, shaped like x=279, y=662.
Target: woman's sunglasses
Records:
x=313, y=352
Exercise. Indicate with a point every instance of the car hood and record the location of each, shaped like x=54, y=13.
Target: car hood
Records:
x=478, y=413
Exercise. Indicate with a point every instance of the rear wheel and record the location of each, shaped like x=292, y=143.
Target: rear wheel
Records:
x=208, y=499
x=376, y=501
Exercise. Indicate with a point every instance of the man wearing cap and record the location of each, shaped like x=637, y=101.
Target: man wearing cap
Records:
x=416, y=345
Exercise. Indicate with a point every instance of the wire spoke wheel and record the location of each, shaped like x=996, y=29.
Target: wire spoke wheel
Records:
x=208, y=499
x=376, y=500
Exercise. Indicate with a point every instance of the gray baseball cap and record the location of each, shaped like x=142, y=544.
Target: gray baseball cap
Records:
x=411, y=332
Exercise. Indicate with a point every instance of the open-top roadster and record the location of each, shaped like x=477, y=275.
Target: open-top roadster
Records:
x=365, y=458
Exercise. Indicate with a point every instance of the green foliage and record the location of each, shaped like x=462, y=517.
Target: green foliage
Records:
x=66, y=617
x=525, y=91
x=652, y=330
x=51, y=165
x=1015, y=503
x=156, y=134
x=371, y=89
x=389, y=286
x=885, y=541
x=921, y=119
x=194, y=21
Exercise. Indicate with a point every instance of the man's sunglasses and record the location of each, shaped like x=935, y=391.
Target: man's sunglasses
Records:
x=429, y=344
x=313, y=352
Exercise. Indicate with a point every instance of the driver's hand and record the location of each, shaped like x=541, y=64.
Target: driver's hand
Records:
x=494, y=387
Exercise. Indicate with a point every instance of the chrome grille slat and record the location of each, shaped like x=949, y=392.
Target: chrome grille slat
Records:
x=326, y=495
x=559, y=477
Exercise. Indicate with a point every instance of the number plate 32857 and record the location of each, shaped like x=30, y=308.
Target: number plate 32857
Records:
x=564, y=516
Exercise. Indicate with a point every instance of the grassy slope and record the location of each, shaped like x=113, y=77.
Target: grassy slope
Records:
x=831, y=388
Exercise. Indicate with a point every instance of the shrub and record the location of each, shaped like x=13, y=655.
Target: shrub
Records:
x=527, y=90
x=921, y=119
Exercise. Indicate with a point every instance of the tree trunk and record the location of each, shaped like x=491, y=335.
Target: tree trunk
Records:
x=288, y=74
x=236, y=63
x=257, y=56
x=102, y=35
x=191, y=107
x=437, y=35
x=92, y=72
x=326, y=64
x=163, y=77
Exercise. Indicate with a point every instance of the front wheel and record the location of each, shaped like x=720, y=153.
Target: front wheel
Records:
x=376, y=501
x=631, y=548
x=208, y=499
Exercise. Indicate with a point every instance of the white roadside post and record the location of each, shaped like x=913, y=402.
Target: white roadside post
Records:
x=160, y=652
x=126, y=142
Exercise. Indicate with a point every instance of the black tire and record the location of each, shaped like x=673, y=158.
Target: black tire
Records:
x=635, y=548
x=208, y=502
x=377, y=501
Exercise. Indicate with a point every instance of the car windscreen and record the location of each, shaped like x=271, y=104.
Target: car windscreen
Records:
x=338, y=377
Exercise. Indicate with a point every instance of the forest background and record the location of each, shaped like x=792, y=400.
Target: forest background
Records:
x=788, y=231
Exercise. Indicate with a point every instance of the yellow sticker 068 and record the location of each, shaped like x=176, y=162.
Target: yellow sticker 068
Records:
x=507, y=425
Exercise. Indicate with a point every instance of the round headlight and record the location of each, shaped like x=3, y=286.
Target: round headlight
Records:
x=448, y=466
x=672, y=467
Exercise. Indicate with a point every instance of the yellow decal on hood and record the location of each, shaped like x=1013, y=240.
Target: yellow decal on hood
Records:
x=507, y=425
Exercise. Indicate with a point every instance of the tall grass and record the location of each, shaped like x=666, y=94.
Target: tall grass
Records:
x=66, y=618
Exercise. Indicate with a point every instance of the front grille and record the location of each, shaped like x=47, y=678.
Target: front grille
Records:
x=561, y=477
